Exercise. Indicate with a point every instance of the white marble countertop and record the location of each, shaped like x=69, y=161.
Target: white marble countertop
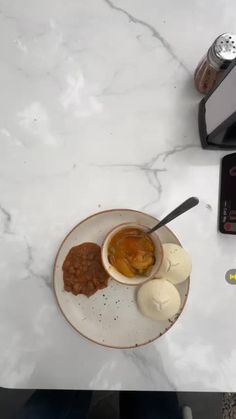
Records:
x=98, y=111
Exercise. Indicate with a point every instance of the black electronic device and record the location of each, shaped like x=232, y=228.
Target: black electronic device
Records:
x=227, y=205
x=217, y=114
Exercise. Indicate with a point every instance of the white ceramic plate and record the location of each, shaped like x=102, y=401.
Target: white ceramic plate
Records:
x=111, y=317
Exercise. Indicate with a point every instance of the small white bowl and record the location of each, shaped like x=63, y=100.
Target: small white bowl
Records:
x=112, y=271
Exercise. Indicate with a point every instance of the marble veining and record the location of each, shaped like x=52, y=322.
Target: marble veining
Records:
x=150, y=170
x=153, y=31
x=98, y=110
x=6, y=219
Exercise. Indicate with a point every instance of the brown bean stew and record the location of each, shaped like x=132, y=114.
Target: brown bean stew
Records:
x=83, y=272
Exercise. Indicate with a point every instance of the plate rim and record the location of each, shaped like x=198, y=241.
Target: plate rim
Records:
x=61, y=309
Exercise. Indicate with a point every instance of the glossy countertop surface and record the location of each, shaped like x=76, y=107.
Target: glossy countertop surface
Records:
x=98, y=111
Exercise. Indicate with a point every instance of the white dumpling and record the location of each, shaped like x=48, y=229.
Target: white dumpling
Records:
x=158, y=299
x=176, y=265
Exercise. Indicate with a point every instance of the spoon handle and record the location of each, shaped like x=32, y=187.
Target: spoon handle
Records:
x=185, y=206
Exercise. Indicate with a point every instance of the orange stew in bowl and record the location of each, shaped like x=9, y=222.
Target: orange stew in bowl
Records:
x=132, y=252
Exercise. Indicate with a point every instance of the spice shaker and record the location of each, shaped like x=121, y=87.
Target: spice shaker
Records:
x=213, y=65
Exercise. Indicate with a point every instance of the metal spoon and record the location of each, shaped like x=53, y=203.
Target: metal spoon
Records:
x=185, y=206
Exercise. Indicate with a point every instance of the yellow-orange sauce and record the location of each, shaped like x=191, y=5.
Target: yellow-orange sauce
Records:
x=131, y=252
